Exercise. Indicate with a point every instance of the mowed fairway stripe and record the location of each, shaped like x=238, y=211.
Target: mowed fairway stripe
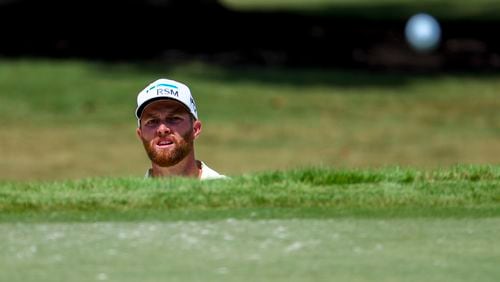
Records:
x=344, y=249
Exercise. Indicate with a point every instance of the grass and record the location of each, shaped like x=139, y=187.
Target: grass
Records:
x=305, y=224
x=73, y=119
x=434, y=249
x=314, y=192
x=335, y=175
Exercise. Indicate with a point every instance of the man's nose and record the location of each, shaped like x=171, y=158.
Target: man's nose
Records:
x=163, y=129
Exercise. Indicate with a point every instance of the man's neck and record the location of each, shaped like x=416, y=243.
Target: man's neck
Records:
x=188, y=167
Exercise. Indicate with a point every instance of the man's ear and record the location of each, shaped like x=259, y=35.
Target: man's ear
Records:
x=196, y=128
x=138, y=131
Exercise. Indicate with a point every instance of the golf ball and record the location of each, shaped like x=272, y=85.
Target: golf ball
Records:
x=423, y=32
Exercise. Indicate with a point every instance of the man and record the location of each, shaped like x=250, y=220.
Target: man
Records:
x=168, y=124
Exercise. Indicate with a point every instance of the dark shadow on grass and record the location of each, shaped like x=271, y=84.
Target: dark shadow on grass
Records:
x=444, y=10
x=345, y=78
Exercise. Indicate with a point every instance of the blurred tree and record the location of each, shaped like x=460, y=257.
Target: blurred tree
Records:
x=172, y=30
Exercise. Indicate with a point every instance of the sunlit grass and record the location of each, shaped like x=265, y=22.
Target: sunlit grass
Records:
x=312, y=192
x=345, y=249
x=70, y=119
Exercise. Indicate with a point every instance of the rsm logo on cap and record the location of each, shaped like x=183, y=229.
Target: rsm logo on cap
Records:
x=167, y=91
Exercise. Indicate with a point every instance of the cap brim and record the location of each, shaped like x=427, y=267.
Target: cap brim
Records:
x=140, y=109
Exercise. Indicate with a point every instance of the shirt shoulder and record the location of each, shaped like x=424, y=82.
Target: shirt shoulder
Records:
x=208, y=173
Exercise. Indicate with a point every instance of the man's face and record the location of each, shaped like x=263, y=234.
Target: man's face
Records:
x=168, y=131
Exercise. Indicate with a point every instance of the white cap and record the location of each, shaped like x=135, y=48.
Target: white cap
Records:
x=165, y=89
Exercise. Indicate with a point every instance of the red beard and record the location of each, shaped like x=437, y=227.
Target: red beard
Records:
x=171, y=156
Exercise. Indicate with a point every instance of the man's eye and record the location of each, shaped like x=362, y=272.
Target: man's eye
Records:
x=151, y=122
x=174, y=119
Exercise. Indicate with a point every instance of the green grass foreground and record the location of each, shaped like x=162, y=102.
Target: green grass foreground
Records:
x=318, y=192
x=310, y=224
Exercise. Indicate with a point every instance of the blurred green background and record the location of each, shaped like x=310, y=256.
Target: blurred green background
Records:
x=74, y=119
x=67, y=118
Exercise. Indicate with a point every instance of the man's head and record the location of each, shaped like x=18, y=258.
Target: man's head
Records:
x=168, y=122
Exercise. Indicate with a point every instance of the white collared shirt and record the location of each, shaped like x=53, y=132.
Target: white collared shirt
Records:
x=206, y=173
